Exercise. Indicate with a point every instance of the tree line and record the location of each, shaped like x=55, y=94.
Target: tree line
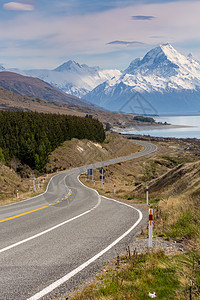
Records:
x=32, y=136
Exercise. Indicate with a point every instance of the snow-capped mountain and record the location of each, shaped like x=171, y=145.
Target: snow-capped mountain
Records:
x=71, y=77
x=163, y=81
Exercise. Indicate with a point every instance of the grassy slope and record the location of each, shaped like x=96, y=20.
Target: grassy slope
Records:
x=76, y=153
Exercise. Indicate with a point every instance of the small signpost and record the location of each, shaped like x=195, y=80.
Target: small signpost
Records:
x=150, y=227
x=17, y=194
x=102, y=177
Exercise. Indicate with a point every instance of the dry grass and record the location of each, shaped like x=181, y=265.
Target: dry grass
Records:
x=11, y=182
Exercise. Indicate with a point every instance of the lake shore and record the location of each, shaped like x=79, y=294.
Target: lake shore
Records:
x=149, y=127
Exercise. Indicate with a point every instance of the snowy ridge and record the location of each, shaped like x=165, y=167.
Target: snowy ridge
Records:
x=166, y=78
x=71, y=77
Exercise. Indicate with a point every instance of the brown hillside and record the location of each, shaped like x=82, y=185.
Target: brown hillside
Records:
x=34, y=87
x=13, y=101
x=180, y=179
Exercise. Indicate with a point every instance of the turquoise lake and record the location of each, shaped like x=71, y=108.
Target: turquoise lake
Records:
x=187, y=132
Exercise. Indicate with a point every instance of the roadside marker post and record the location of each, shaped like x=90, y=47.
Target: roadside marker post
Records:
x=17, y=194
x=90, y=172
x=114, y=189
x=102, y=171
x=34, y=184
x=147, y=195
x=150, y=227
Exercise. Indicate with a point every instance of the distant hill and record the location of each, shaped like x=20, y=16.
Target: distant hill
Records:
x=13, y=101
x=34, y=87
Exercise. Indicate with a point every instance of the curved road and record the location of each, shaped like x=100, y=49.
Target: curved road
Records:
x=51, y=243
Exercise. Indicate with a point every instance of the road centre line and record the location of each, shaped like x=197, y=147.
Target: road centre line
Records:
x=51, y=228
x=34, y=210
x=65, y=278
x=23, y=214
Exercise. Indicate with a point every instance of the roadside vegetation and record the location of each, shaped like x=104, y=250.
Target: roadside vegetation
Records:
x=144, y=119
x=141, y=275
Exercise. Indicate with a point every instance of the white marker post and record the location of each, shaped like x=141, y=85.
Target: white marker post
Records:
x=17, y=194
x=147, y=195
x=114, y=189
x=102, y=179
x=34, y=184
x=150, y=227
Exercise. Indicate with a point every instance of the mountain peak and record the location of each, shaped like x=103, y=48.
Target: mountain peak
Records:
x=163, y=60
x=73, y=66
x=70, y=65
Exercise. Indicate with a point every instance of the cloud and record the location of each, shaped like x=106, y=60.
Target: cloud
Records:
x=124, y=43
x=143, y=18
x=18, y=6
x=73, y=36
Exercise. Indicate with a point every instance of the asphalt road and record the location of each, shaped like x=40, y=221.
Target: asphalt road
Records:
x=51, y=243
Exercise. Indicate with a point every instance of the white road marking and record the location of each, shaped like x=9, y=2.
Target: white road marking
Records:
x=65, y=278
x=52, y=228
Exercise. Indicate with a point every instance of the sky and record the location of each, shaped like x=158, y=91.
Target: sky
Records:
x=109, y=33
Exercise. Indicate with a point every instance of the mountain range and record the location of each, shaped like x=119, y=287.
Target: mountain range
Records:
x=71, y=77
x=162, y=82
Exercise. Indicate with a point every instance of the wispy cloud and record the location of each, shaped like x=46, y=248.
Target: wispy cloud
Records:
x=52, y=34
x=18, y=6
x=143, y=18
x=124, y=43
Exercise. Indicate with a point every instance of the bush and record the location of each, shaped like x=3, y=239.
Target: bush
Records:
x=144, y=119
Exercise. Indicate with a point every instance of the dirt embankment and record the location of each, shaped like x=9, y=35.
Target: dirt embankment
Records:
x=77, y=153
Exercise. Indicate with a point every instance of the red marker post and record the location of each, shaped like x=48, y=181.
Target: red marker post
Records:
x=114, y=189
x=150, y=227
